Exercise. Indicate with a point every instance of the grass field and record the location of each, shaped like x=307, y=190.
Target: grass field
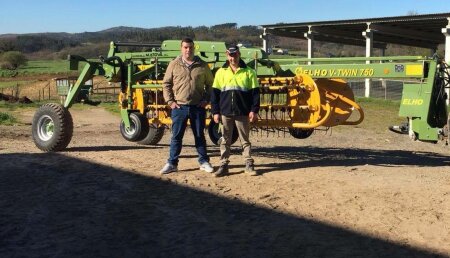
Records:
x=40, y=67
x=379, y=113
x=33, y=72
x=43, y=67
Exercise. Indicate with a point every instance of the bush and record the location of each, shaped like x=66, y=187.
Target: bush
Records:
x=7, y=119
x=12, y=60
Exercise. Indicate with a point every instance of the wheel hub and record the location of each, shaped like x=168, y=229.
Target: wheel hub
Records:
x=46, y=128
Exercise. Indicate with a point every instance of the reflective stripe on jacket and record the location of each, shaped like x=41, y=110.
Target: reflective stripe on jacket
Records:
x=235, y=94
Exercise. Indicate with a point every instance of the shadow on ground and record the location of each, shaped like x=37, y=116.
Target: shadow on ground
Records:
x=55, y=206
x=308, y=156
x=110, y=148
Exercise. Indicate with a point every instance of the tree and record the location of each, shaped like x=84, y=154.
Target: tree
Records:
x=7, y=44
x=12, y=60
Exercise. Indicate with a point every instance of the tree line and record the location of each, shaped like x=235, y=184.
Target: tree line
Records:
x=45, y=46
x=92, y=44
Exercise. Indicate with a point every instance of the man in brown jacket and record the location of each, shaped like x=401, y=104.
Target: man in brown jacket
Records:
x=187, y=85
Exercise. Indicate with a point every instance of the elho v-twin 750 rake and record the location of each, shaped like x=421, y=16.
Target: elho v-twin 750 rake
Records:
x=295, y=97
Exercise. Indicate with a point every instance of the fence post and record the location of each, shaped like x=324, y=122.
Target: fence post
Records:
x=17, y=90
x=384, y=85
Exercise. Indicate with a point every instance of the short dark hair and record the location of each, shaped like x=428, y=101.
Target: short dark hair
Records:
x=187, y=40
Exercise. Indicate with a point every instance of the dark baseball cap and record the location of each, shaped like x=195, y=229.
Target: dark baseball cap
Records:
x=233, y=49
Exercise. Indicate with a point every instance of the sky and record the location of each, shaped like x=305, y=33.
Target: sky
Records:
x=75, y=16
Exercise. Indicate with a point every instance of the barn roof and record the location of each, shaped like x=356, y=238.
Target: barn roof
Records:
x=412, y=30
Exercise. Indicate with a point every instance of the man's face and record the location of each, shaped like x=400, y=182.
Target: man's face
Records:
x=187, y=51
x=234, y=58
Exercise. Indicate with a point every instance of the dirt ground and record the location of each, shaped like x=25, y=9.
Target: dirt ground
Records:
x=349, y=193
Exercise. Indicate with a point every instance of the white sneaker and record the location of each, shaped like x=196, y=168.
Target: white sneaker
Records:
x=168, y=168
x=206, y=167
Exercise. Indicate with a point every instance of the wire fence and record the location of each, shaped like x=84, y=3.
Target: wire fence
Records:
x=51, y=90
x=42, y=91
x=382, y=89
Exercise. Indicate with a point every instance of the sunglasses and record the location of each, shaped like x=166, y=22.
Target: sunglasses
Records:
x=233, y=54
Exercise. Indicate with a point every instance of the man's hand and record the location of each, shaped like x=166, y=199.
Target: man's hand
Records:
x=174, y=105
x=216, y=118
x=202, y=104
x=252, y=116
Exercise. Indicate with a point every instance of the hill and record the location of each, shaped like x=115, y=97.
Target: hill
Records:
x=38, y=46
x=91, y=44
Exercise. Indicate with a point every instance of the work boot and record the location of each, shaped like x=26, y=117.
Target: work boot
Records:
x=223, y=170
x=250, y=169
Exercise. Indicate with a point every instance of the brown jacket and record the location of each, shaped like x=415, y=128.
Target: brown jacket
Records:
x=187, y=86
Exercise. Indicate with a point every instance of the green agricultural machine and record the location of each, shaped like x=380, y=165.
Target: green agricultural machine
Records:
x=296, y=98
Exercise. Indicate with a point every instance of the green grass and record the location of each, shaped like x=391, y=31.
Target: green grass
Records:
x=42, y=67
x=111, y=107
x=7, y=119
x=17, y=106
x=9, y=111
x=379, y=113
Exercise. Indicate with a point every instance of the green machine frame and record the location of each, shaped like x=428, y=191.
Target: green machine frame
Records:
x=138, y=67
x=423, y=100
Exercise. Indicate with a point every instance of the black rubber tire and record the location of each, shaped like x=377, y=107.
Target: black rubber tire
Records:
x=215, y=135
x=155, y=134
x=52, y=127
x=300, y=133
x=138, y=128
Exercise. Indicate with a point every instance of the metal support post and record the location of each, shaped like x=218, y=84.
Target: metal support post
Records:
x=310, y=36
x=265, y=39
x=368, y=34
x=446, y=32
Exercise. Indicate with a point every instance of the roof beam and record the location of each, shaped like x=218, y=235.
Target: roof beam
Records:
x=337, y=33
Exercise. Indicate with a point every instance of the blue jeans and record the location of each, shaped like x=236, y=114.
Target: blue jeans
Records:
x=180, y=116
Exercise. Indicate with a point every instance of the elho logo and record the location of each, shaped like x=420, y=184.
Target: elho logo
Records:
x=412, y=102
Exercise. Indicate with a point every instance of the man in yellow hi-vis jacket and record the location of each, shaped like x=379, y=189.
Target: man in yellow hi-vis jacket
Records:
x=235, y=101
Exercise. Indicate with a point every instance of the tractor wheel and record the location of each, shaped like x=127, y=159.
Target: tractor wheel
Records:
x=215, y=134
x=52, y=127
x=300, y=133
x=138, y=128
x=154, y=135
